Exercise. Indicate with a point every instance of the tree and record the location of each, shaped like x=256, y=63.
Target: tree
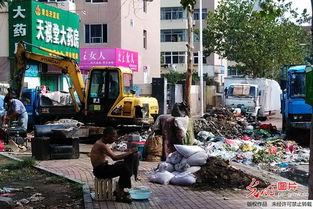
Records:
x=189, y=6
x=2, y=3
x=259, y=42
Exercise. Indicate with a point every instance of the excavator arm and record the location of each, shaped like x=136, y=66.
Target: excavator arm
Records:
x=67, y=64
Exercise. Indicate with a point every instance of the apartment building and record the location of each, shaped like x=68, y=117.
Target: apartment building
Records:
x=174, y=38
x=114, y=33
x=130, y=27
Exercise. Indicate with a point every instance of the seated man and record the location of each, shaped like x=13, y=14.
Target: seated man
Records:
x=102, y=169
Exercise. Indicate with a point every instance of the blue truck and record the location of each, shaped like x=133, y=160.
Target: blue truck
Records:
x=41, y=109
x=296, y=113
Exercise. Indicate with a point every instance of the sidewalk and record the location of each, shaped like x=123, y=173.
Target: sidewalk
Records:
x=169, y=196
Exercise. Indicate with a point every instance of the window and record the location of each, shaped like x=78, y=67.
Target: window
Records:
x=172, y=13
x=128, y=83
x=297, y=87
x=96, y=1
x=144, y=39
x=178, y=35
x=196, y=14
x=173, y=57
x=97, y=86
x=113, y=85
x=96, y=33
x=195, y=58
x=104, y=84
x=144, y=5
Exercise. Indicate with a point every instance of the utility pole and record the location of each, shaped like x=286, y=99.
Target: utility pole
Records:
x=200, y=59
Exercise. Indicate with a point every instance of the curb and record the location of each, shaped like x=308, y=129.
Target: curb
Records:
x=85, y=188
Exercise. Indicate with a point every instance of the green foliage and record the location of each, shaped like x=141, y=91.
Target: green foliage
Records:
x=26, y=162
x=175, y=77
x=260, y=42
x=262, y=156
x=188, y=4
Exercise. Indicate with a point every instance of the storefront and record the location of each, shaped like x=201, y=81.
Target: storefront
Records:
x=46, y=26
x=90, y=57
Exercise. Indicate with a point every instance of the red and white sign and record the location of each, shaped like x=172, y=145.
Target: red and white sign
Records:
x=90, y=57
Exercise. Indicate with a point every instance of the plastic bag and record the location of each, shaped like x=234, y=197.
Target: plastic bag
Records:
x=174, y=157
x=164, y=166
x=198, y=158
x=161, y=177
x=183, y=179
x=204, y=135
x=187, y=150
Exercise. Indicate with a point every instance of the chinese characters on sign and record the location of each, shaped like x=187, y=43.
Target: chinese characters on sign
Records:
x=19, y=29
x=108, y=57
x=43, y=25
x=270, y=190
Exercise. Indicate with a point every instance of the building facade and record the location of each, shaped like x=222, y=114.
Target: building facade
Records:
x=119, y=24
x=174, y=38
x=124, y=24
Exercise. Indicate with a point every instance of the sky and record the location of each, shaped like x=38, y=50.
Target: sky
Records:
x=301, y=4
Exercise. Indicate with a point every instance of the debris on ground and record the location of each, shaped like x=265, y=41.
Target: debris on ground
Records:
x=218, y=173
x=221, y=122
x=225, y=137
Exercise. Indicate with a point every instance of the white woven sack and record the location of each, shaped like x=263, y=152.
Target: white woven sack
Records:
x=161, y=177
x=174, y=157
x=198, y=158
x=164, y=166
x=187, y=150
x=183, y=179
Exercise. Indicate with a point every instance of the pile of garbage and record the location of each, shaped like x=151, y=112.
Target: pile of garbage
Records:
x=218, y=173
x=221, y=122
x=191, y=164
x=259, y=147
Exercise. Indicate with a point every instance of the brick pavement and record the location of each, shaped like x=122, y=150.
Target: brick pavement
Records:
x=163, y=196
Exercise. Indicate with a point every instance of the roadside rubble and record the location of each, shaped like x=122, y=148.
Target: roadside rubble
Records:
x=224, y=136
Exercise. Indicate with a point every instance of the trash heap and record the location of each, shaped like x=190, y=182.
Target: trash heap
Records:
x=223, y=136
x=218, y=173
x=263, y=147
x=191, y=164
x=221, y=122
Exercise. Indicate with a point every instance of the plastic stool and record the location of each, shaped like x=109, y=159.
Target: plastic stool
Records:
x=104, y=188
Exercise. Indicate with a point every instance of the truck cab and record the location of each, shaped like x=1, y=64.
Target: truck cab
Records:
x=296, y=113
x=244, y=96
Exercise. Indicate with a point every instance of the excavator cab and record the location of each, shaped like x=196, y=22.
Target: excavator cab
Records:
x=104, y=90
x=110, y=95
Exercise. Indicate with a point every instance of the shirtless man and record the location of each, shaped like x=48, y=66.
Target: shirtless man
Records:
x=102, y=169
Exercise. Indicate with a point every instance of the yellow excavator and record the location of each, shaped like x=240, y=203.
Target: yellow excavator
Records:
x=108, y=97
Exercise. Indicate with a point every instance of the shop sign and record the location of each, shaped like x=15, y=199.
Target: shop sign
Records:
x=43, y=25
x=90, y=57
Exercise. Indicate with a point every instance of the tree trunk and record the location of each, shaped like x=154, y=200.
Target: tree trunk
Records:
x=189, y=60
x=311, y=131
